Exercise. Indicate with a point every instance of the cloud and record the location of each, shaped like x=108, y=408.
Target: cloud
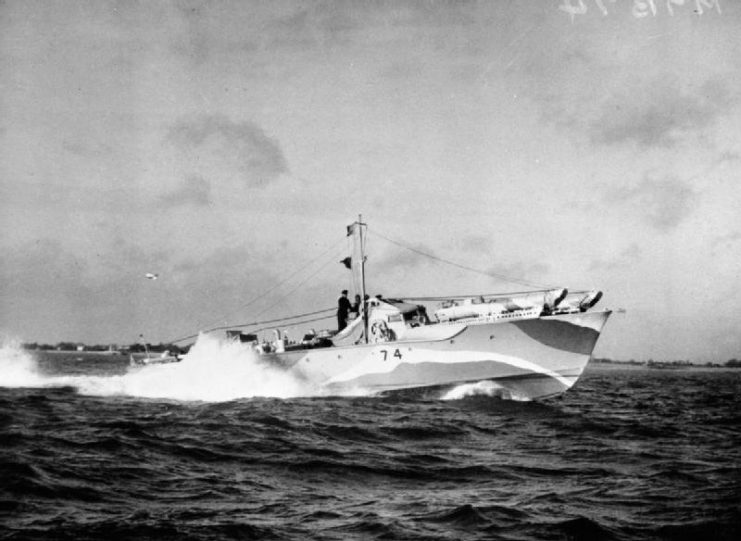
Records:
x=348, y=24
x=38, y=278
x=622, y=82
x=30, y=266
x=217, y=143
x=86, y=149
x=421, y=255
x=194, y=190
x=727, y=240
x=663, y=203
x=318, y=25
x=728, y=156
x=435, y=14
x=476, y=243
x=403, y=70
x=624, y=259
x=519, y=272
x=399, y=258
x=658, y=113
x=53, y=293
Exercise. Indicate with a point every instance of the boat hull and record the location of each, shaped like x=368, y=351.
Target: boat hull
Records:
x=147, y=360
x=529, y=359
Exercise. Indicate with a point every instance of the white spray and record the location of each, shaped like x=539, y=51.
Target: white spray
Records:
x=482, y=388
x=17, y=366
x=214, y=370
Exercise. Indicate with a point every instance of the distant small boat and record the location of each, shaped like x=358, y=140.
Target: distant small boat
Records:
x=147, y=359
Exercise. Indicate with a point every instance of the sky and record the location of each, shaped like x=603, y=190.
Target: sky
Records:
x=226, y=145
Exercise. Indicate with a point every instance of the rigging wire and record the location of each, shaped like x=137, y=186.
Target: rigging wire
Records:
x=334, y=246
x=458, y=265
x=296, y=323
x=277, y=285
x=253, y=323
x=484, y=295
x=222, y=327
x=302, y=282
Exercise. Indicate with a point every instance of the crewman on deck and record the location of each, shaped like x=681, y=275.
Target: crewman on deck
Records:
x=343, y=309
x=355, y=308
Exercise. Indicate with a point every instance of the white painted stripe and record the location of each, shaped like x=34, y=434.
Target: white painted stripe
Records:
x=371, y=366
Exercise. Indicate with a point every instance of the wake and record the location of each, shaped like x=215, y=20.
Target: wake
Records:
x=482, y=388
x=213, y=371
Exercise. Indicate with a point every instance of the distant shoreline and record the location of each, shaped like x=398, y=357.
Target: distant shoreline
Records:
x=667, y=365
x=657, y=365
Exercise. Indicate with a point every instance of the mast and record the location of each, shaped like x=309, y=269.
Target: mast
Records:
x=362, y=257
x=363, y=307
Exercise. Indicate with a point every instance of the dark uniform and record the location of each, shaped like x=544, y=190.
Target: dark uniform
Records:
x=343, y=309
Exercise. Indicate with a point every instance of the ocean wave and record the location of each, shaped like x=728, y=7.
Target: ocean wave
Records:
x=583, y=466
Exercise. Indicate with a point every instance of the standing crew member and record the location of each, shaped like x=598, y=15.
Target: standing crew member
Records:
x=343, y=309
x=355, y=308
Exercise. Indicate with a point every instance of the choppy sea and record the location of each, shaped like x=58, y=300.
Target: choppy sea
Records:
x=91, y=449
